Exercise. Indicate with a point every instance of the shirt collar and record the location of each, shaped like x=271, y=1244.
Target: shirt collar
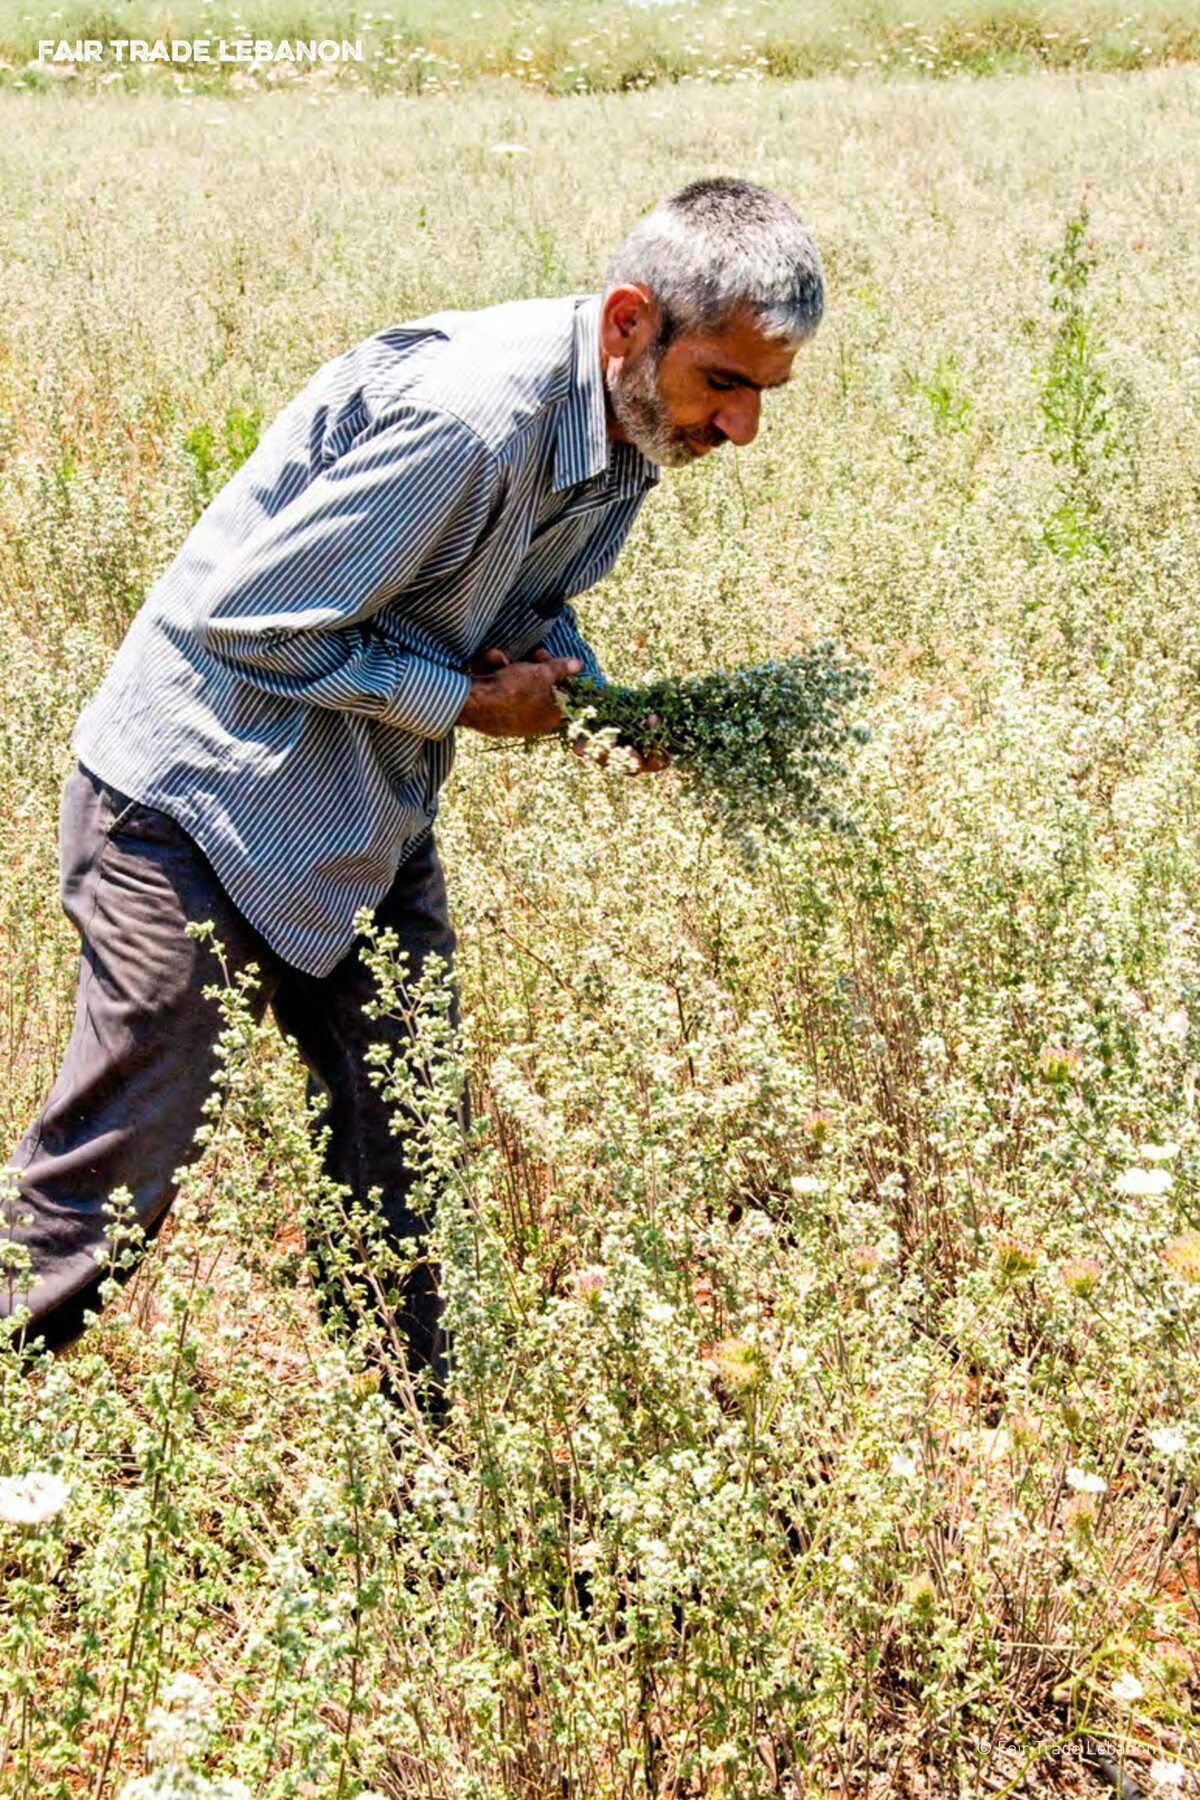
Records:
x=583, y=448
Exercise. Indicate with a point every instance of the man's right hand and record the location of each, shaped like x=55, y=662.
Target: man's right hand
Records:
x=517, y=699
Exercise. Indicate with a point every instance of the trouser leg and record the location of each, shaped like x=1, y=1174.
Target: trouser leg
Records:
x=129, y=1096
x=326, y=1017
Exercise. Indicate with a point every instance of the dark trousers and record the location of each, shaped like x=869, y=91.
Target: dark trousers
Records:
x=129, y=1095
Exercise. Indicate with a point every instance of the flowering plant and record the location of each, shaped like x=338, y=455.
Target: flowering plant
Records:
x=755, y=746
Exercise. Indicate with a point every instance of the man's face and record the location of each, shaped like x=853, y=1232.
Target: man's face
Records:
x=704, y=389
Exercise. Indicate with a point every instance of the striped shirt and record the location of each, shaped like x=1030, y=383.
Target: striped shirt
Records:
x=289, y=687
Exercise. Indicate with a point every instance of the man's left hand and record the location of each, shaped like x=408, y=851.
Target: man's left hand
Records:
x=657, y=759
x=637, y=765
x=488, y=661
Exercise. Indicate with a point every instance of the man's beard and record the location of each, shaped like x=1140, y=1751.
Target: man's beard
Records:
x=641, y=413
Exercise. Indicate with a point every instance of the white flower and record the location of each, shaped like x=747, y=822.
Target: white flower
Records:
x=1159, y=1152
x=1166, y=1440
x=510, y=149
x=902, y=1464
x=185, y=1694
x=1127, y=1688
x=660, y=1312
x=1084, y=1482
x=153, y=1787
x=1167, y=1774
x=1143, y=1181
x=32, y=1499
x=805, y=1184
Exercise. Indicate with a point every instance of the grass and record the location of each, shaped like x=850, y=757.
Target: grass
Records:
x=615, y=46
x=825, y=1266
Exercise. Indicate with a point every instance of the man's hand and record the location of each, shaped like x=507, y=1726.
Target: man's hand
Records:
x=516, y=699
x=631, y=761
x=486, y=669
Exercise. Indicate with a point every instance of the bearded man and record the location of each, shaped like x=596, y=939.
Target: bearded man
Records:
x=395, y=560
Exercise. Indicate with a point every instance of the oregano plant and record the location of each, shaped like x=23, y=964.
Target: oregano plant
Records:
x=757, y=748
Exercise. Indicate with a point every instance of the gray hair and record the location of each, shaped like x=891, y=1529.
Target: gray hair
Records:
x=719, y=245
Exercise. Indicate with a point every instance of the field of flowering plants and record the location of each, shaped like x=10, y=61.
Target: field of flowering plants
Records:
x=824, y=1269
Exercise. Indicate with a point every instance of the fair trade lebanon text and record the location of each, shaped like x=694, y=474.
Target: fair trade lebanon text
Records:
x=201, y=50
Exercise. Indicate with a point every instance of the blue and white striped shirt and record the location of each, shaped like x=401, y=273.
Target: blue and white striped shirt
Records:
x=288, y=689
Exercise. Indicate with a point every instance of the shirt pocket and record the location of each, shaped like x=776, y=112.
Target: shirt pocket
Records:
x=120, y=806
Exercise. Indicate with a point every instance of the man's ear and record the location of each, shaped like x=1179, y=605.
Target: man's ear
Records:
x=628, y=320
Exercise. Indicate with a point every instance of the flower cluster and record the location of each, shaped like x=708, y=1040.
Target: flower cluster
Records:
x=756, y=747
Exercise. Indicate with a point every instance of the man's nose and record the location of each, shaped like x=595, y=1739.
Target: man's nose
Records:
x=738, y=418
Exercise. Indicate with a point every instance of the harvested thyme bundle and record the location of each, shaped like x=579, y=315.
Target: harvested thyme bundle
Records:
x=756, y=747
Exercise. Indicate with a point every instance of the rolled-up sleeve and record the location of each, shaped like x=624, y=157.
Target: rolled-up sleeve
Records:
x=290, y=610
x=565, y=639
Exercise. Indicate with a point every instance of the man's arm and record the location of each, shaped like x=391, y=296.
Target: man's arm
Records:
x=517, y=699
x=289, y=610
x=565, y=639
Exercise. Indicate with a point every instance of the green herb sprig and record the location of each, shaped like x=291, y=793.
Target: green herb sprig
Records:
x=755, y=747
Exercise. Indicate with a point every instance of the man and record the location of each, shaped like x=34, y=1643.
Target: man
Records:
x=395, y=559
